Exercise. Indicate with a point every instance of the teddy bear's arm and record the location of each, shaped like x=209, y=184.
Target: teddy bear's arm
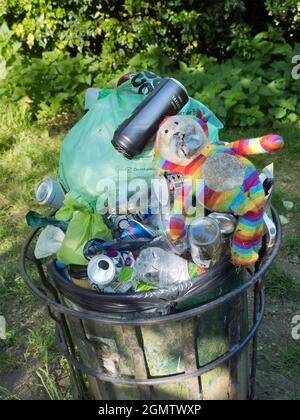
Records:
x=243, y=204
x=265, y=144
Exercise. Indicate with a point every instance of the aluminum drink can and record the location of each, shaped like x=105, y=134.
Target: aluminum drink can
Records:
x=166, y=99
x=120, y=259
x=120, y=221
x=104, y=269
x=137, y=230
x=101, y=272
x=49, y=193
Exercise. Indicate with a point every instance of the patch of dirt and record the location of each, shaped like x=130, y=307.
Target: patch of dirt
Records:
x=23, y=383
x=274, y=380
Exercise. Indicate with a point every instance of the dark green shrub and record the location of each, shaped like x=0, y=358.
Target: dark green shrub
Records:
x=116, y=30
x=257, y=90
x=245, y=90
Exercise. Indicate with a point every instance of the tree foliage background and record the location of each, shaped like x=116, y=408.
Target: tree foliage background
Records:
x=233, y=55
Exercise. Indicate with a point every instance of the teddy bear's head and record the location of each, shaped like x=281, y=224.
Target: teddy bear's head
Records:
x=180, y=139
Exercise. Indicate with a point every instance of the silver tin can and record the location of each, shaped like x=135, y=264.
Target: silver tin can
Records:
x=49, y=193
x=205, y=241
x=270, y=230
x=227, y=222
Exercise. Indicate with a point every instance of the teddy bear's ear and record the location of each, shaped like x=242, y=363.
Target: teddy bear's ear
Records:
x=202, y=120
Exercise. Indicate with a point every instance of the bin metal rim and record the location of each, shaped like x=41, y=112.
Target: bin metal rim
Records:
x=119, y=380
x=90, y=316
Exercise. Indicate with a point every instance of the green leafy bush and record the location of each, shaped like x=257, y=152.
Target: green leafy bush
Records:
x=8, y=49
x=242, y=91
x=258, y=90
x=116, y=30
x=285, y=15
x=49, y=83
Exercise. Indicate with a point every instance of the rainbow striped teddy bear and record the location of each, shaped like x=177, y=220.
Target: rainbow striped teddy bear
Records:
x=229, y=182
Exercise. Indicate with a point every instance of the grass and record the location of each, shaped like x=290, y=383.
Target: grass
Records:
x=48, y=383
x=291, y=246
x=290, y=356
x=5, y=394
x=28, y=153
x=40, y=340
x=279, y=284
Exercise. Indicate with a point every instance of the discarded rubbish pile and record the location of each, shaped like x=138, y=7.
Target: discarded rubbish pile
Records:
x=148, y=197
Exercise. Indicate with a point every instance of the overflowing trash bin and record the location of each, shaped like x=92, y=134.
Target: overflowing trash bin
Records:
x=159, y=232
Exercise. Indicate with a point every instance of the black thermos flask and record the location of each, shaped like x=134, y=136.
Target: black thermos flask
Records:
x=167, y=99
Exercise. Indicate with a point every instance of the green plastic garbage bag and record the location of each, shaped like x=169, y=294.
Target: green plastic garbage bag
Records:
x=85, y=224
x=88, y=160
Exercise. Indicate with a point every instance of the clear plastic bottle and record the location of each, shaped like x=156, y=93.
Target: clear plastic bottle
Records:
x=161, y=268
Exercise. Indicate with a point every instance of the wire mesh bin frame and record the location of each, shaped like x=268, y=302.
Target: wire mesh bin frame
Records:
x=66, y=347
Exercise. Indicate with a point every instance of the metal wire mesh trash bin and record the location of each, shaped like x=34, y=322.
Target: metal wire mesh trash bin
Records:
x=199, y=349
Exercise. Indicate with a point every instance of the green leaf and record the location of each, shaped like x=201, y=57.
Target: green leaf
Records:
x=3, y=71
x=241, y=109
x=279, y=113
x=293, y=117
x=254, y=99
x=251, y=121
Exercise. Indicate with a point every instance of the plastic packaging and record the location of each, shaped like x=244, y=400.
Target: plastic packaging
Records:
x=48, y=242
x=84, y=225
x=161, y=268
x=37, y=220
